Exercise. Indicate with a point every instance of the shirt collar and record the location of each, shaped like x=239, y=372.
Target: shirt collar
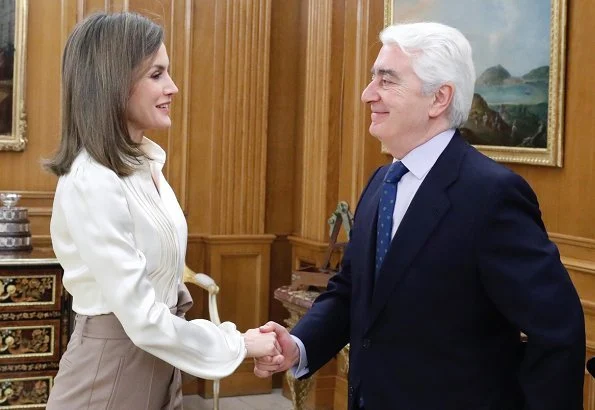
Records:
x=421, y=159
x=156, y=155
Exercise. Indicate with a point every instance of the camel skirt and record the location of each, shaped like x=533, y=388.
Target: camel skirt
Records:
x=103, y=369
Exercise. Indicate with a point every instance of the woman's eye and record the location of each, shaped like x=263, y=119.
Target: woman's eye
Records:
x=156, y=75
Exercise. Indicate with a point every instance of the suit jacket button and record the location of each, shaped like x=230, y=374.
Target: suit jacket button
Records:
x=366, y=344
x=351, y=390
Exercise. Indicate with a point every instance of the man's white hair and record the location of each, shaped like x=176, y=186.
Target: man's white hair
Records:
x=439, y=54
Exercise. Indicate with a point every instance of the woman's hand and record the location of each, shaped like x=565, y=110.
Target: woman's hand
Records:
x=261, y=344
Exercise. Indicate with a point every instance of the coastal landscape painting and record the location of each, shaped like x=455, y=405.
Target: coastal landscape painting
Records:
x=13, y=30
x=518, y=53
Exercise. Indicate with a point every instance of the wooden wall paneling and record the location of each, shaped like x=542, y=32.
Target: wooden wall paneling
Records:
x=179, y=44
x=202, y=177
x=240, y=265
x=240, y=128
x=231, y=128
x=21, y=171
x=589, y=392
x=299, y=164
x=318, y=136
x=161, y=12
x=228, y=154
x=341, y=383
x=284, y=83
x=565, y=194
x=360, y=152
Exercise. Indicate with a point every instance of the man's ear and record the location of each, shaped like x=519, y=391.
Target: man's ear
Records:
x=442, y=99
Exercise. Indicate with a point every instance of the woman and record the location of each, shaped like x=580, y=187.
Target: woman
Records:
x=120, y=235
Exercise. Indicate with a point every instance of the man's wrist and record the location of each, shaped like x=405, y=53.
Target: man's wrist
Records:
x=296, y=354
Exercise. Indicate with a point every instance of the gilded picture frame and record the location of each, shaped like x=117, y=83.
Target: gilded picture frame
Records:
x=533, y=99
x=13, y=41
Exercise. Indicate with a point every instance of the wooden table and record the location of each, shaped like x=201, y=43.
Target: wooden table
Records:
x=34, y=327
x=327, y=388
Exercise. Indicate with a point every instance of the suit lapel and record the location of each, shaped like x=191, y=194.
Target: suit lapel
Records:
x=428, y=207
x=369, y=212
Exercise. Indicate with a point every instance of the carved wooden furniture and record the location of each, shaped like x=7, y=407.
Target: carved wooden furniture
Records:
x=34, y=327
x=306, y=394
x=313, y=276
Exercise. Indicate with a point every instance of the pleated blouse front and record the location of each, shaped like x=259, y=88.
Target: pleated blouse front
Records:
x=122, y=244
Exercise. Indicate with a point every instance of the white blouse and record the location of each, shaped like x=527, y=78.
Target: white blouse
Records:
x=122, y=243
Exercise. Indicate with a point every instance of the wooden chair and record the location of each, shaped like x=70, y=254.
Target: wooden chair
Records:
x=207, y=283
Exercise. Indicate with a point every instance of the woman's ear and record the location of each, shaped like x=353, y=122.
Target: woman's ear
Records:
x=442, y=99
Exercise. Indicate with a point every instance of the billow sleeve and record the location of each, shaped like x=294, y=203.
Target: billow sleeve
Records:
x=102, y=229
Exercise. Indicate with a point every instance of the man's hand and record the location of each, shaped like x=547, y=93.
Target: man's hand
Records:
x=290, y=352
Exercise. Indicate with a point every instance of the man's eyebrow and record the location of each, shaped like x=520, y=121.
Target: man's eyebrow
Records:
x=384, y=71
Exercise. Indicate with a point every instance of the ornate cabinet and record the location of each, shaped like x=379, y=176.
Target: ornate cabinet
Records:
x=327, y=388
x=34, y=327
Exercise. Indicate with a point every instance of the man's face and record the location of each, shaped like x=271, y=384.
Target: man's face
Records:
x=399, y=110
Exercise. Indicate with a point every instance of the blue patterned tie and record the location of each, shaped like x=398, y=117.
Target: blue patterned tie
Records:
x=386, y=207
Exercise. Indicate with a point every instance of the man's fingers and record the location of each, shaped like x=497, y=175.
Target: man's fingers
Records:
x=269, y=363
x=270, y=327
x=262, y=373
x=278, y=360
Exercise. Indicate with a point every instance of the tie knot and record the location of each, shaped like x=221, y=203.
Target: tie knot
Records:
x=395, y=172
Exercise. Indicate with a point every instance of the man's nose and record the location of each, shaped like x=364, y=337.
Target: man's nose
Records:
x=369, y=94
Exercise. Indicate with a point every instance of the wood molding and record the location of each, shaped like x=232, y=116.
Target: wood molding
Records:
x=317, y=133
x=195, y=238
x=579, y=265
x=238, y=239
x=576, y=241
x=44, y=211
x=36, y=194
x=41, y=241
x=574, y=246
x=310, y=244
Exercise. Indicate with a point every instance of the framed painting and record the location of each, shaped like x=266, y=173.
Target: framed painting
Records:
x=13, y=32
x=517, y=114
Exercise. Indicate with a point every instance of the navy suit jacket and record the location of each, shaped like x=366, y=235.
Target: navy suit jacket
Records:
x=470, y=267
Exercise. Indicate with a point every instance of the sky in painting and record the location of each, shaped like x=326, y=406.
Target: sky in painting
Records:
x=513, y=33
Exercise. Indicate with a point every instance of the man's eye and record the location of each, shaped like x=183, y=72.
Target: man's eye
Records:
x=385, y=82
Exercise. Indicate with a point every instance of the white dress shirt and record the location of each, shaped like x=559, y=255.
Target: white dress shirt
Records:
x=122, y=244
x=419, y=162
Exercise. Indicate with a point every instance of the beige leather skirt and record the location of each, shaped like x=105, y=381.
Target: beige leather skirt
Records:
x=103, y=369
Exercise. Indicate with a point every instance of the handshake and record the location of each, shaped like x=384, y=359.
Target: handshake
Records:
x=272, y=348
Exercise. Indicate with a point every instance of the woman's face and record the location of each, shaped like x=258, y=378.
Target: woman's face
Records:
x=150, y=99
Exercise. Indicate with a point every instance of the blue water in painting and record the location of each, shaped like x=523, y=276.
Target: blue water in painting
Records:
x=527, y=93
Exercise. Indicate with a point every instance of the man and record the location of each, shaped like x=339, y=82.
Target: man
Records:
x=448, y=260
